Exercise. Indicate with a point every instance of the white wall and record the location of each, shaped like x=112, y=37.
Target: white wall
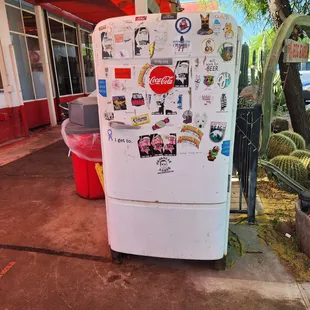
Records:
x=10, y=97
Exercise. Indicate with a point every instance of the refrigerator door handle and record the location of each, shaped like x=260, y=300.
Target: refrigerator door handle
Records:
x=121, y=125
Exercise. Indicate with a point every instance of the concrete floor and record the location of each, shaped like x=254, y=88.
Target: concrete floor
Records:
x=40, y=213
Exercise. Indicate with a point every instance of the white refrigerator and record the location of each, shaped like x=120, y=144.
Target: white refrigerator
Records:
x=167, y=94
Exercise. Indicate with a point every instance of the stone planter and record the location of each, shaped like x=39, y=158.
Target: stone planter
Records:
x=302, y=229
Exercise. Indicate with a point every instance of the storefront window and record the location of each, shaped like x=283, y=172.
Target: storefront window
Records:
x=24, y=38
x=66, y=59
x=88, y=61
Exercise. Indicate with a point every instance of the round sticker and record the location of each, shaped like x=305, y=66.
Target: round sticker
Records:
x=161, y=80
x=208, y=46
x=183, y=25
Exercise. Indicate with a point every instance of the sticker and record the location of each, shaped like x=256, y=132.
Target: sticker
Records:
x=157, y=145
x=168, y=16
x=183, y=25
x=187, y=116
x=217, y=131
x=109, y=116
x=164, y=165
x=119, y=103
x=229, y=34
x=208, y=46
x=208, y=80
x=161, y=36
x=106, y=45
x=205, y=25
x=137, y=100
x=102, y=85
x=213, y=153
x=190, y=140
x=122, y=73
x=180, y=102
x=197, y=81
x=161, y=62
x=119, y=38
x=143, y=71
x=152, y=49
x=102, y=27
x=193, y=131
x=162, y=79
x=181, y=73
x=181, y=46
x=226, y=51
x=106, y=70
x=140, y=120
x=161, y=124
x=223, y=103
x=200, y=120
x=162, y=102
x=110, y=137
x=207, y=99
x=217, y=27
x=142, y=40
x=226, y=148
x=196, y=63
x=118, y=85
x=212, y=65
x=224, y=80
x=140, y=18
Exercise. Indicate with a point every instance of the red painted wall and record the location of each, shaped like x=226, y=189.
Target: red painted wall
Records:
x=11, y=124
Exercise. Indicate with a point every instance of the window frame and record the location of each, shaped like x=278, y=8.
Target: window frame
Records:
x=63, y=22
x=25, y=36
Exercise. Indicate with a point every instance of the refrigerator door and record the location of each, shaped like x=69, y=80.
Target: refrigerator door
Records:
x=166, y=94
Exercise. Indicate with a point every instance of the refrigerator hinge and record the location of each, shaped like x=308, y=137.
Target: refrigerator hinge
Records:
x=228, y=186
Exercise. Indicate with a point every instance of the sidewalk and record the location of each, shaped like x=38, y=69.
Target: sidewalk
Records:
x=40, y=213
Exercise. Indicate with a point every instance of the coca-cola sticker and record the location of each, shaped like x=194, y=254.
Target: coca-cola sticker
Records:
x=161, y=80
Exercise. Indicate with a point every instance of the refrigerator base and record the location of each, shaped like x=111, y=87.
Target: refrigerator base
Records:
x=167, y=230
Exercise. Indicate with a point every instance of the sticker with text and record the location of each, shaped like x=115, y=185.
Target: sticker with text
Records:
x=140, y=120
x=217, y=131
x=102, y=86
x=212, y=154
x=205, y=25
x=181, y=45
x=211, y=65
x=164, y=165
x=106, y=45
x=193, y=135
x=181, y=74
x=119, y=103
x=223, y=103
x=208, y=80
x=142, y=41
x=143, y=73
x=140, y=18
x=137, y=100
x=207, y=99
x=168, y=16
x=226, y=148
x=217, y=26
x=161, y=124
x=164, y=105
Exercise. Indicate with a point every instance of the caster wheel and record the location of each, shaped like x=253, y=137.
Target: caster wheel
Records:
x=117, y=257
x=220, y=264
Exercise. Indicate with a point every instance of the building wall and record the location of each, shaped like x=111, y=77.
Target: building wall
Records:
x=11, y=108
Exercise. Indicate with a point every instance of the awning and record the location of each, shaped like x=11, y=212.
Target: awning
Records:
x=94, y=11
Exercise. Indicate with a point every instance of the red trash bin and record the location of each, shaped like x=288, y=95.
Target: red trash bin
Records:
x=85, y=146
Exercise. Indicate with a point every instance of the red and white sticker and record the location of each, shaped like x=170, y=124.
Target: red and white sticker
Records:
x=139, y=18
x=161, y=80
x=122, y=73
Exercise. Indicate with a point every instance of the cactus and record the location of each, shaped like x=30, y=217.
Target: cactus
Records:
x=293, y=167
x=243, y=79
x=280, y=145
x=297, y=138
x=253, y=69
x=308, y=117
x=304, y=157
x=279, y=124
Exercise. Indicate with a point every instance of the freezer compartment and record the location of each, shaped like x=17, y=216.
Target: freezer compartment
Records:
x=167, y=230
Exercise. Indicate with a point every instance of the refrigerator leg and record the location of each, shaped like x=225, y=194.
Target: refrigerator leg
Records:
x=117, y=257
x=220, y=264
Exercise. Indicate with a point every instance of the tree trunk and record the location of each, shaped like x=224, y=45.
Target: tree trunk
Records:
x=290, y=77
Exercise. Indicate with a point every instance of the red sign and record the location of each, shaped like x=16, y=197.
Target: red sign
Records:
x=161, y=79
x=295, y=51
x=139, y=18
x=122, y=73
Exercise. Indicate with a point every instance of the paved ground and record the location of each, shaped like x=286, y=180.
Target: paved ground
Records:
x=40, y=213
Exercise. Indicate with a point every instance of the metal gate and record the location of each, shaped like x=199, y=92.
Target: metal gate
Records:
x=246, y=152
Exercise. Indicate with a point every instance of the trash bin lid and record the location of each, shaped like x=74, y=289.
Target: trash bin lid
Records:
x=305, y=196
x=72, y=129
